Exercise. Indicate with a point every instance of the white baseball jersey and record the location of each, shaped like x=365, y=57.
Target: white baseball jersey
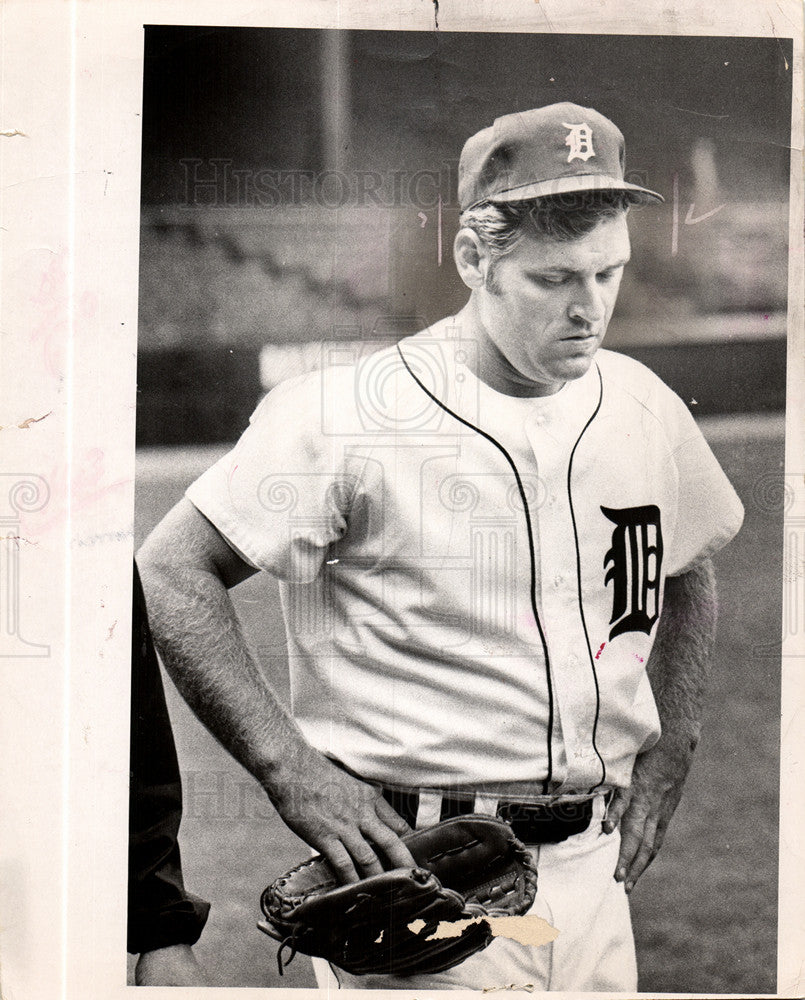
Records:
x=472, y=582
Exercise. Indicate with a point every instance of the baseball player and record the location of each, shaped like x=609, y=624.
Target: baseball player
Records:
x=493, y=544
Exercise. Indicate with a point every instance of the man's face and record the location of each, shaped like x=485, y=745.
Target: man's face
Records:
x=546, y=305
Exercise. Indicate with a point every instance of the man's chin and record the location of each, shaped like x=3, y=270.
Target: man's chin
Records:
x=574, y=367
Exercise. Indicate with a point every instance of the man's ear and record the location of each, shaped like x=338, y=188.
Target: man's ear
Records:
x=472, y=258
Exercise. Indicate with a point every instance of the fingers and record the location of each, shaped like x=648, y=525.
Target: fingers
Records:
x=391, y=817
x=379, y=832
x=639, y=846
x=340, y=861
x=356, y=849
x=632, y=829
x=617, y=807
x=645, y=854
x=385, y=833
x=362, y=853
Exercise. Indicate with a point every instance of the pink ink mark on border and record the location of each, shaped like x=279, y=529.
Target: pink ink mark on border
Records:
x=600, y=650
x=86, y=484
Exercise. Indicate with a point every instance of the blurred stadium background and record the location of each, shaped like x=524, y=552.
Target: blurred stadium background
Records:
x=298, y=193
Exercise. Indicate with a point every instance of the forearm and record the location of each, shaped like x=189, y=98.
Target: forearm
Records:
x=197, y=633
x=677, y=668
x=680, y=660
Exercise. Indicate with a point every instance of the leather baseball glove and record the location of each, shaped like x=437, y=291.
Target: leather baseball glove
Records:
x=468, y=868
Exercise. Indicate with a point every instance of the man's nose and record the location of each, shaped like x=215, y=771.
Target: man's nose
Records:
x=587, y=304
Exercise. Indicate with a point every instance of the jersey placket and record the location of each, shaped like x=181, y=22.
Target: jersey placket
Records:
x=552, y=431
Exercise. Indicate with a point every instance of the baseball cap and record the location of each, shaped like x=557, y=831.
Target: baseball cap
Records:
x=558, y=149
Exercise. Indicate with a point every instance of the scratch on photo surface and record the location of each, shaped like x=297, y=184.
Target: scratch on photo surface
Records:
x=9, y=132
x=33, y=420
x=771, y=20
x=27, y=422
x=699, y=114
x=548, y=21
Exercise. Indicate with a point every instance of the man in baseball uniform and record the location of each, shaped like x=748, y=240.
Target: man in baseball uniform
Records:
x=493, y=544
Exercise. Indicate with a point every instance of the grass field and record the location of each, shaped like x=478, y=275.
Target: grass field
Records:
x=705, y=914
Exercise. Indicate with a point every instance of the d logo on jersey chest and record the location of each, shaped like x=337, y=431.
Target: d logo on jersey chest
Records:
x=635, y=564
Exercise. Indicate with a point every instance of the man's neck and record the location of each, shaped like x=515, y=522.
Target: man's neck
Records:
x=490, y=366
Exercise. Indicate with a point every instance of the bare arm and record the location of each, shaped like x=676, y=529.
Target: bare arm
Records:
x=186, y=569
x=678, y=669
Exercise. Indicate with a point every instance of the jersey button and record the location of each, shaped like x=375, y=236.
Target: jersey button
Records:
x=540, y=419
x=558, y=581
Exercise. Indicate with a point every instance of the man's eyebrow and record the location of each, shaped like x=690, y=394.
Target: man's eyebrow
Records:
x=559, y=269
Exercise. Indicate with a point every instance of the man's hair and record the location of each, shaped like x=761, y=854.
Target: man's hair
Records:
x=562, y=217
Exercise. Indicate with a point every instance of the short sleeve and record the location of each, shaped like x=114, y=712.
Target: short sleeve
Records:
x=280, y=497
x=709, y=511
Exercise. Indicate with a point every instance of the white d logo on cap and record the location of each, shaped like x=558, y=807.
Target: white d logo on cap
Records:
x=580, y=140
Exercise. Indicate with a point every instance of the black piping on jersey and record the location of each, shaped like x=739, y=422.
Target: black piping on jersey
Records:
x=531, y=551
x=578, y=575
